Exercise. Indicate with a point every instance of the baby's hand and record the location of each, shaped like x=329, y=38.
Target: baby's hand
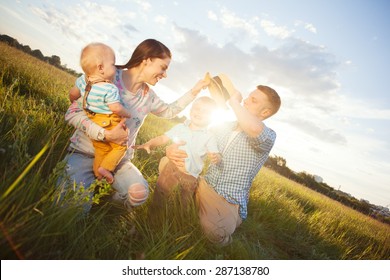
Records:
x=146, y=147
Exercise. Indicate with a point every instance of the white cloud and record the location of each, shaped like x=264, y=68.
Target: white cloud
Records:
x=315, y=129
x=128, y=29
x=308, y=26
x=306, y=69
x=88, y=22
x=230, y=20
x=161, y=19
x=62, y=21
x=146, y=6
x=273, y=30
x=198, y=55
x=357, y=109
x=211, y=15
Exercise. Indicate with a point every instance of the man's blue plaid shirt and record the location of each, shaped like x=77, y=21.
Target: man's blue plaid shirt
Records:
x=232, y=177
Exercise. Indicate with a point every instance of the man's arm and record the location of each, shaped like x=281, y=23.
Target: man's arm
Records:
x=248, y=122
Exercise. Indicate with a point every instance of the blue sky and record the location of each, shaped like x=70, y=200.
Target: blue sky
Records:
x=327, y=59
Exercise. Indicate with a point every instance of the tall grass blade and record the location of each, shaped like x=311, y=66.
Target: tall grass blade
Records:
x=25, y=171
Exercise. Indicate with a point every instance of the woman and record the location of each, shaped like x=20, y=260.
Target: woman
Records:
x=147, y=65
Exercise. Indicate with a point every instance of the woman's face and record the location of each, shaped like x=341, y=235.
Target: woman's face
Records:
x=156, y=69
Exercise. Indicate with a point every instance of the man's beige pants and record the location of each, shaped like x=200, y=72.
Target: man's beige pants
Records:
x=218, y=218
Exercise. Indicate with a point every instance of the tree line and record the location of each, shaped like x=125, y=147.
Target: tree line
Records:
x=279, y=165
x=54, y=60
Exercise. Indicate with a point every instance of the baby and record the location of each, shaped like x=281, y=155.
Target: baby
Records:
x=101, y=101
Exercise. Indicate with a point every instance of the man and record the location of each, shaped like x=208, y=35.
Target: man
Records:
x=223, y=194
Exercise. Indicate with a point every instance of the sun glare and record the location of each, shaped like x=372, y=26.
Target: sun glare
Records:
x=220, y=116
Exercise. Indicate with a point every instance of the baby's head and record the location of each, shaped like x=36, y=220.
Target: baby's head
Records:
x=202, y=110
x=98, y=59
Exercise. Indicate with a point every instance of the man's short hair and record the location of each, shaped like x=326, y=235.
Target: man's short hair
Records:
x=273, y=97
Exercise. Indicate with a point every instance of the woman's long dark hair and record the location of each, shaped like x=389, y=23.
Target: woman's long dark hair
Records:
x=150, y=48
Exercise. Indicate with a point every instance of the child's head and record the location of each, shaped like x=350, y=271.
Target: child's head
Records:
x=98, y=60
x=201, y=111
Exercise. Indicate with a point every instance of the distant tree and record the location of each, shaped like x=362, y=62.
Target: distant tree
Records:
x=55, y=60
x=279, y=165
x=26, y=49
x=38, y=54
x=281, y=161
x=364, y=206
x=9, y=40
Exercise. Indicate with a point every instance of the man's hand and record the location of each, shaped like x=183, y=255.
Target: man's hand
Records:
x=119, y=134
x=176, y=155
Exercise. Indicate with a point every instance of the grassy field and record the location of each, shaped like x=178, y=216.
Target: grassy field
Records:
x=286, y=220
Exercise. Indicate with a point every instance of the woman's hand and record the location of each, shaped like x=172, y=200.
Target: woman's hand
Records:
x=119, y=134
x=176, y=155
x=201, y=84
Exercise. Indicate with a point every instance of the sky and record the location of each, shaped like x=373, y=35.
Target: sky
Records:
x=327, y=59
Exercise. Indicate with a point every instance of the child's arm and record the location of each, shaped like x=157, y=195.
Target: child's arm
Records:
x=153, y=143
x=117, y=108
x=74, y=94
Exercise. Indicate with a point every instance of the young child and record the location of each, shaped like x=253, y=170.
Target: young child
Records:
x=199, y=143
x=101, y=101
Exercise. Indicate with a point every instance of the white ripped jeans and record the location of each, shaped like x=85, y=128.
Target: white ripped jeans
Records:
x=129, y=182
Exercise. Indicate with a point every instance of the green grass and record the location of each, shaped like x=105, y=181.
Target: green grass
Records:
x=286, y=220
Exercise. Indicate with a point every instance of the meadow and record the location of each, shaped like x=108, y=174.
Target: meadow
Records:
x=286, y=220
